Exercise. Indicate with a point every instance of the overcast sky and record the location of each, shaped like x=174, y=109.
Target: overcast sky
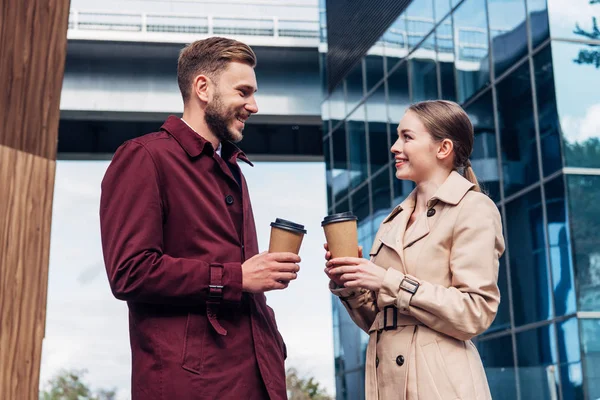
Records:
x=86, y=328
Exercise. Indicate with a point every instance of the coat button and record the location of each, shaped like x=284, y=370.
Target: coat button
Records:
x=431, y=212
x=376, y=362
x=229, y=199
x=400, y=360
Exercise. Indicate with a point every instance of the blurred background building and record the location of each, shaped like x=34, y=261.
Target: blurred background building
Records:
x=524, y=72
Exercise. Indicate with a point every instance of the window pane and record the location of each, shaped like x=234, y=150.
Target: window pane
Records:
x=445, y=55
x=471, y=46
x=547, y=113
x=536, y=355
x=441, y=9
x=360, y=208
x=398, y=97
x=485, y=156
x=538, y=21
x=340, y=175
x=337, y=105
x=395, y=40
x=572, y=19
x=343, y=206
x=381, y=194
x=517, y=131
x=419, y=21
x=497, y=357
x=401, y=188
x=502, y=320
x=528, y=259
x=509, y=32
x=578, y=107
x=560, y=248
x=591, y=353
x=424, y=72
x=584, y=214
x=374, y=65
x=354, y=86
x=379, y=146
x=358, y=147
x=328, y=170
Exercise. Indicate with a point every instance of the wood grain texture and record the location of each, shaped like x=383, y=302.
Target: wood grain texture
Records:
x=33, y=43
x=26, y=210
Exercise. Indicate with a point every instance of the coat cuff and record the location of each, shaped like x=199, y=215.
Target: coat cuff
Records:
x=232, y=282
x=388, y=294
x=354, y=298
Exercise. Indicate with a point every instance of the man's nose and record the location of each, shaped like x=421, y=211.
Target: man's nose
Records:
x=251, y=106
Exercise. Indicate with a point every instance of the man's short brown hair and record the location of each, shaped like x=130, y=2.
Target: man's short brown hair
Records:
x=210, y=57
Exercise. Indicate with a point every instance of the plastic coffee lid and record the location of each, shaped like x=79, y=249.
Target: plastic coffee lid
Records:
x=288, y=226
x=339, y=217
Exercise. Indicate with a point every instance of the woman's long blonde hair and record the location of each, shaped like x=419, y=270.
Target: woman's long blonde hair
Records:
x=447, y=120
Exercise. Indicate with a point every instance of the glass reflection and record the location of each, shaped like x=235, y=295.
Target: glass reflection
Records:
x=395, y=40
x=502, y=320
x=591, y=353
x=547, y=114
x=354, y=86
x=441, y=9
x=578, y=107
x=343, y=206
x=536, y=359
x=424, y=71
x=584, y=215
x=379, y=146
x=509, y=33
x=419, y=21
x=328, y=170
x=569, y=352
x=517, y=131
x=398, y=97
x=337, y=105
x=484, y=158
x=526, y=245
x=497, y=357
x=362, y=209
x=357, y=138
x=445, y=55
x=374, y=65
x=339, y=173
x=381, y=193
x=560, y=249
x=538, y=21
x=573, y=19
x=471, y=47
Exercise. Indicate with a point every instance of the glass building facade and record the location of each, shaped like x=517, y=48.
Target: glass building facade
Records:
x=527, y=73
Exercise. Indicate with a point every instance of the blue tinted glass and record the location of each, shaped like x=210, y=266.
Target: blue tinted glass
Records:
x=374, y=67
x=547, y=113
x=472, y=56
x=358, y=147
x=528, y=259
x=323, y=73
x=497, y=357
x=424, y=72
x=337, y=105
x=560, y=248
x=379, y=146
x=575, y=71
x=401, y=188
x=509, y=32
x=354, y=86
x=573, y=19
x=381, y=193
x=343, y=206
x=361, y=208
x=584, y=215
x=395, y=41
x=517, y=131
x=339, y=173
x=536, y=354
x=325, y=117
x=419, y=21
x=445, y=54
x=502, y=320
x=454, y=2
x=571, y=379
x=441, y=9
x=538, y=21
x=569, y=349
x=485, y=156
x=328, y=170
x=591, y=353
x=398, y=97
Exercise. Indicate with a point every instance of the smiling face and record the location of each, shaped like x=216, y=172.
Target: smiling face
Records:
x=415, y=151
x=232, y=102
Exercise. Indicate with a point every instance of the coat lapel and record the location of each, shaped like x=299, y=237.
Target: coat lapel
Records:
x=397, y=220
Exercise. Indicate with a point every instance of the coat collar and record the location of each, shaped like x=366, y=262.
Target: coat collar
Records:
x=194, y=144
x=454, y=188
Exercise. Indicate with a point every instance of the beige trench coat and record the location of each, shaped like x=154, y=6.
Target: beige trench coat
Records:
x=419, y=345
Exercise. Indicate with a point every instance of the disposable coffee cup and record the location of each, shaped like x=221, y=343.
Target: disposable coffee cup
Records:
x=286, y=236
x=341, y=234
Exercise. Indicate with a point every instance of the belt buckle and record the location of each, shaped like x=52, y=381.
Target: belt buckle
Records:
x=394, y=319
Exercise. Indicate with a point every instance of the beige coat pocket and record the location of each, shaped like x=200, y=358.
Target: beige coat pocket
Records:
x=438, y=375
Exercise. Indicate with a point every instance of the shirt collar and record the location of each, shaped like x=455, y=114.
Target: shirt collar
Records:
x=194, y=144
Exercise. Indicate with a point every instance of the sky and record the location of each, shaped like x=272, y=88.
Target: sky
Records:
x=86, y=327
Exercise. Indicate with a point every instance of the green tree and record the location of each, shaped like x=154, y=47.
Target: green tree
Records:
x=304, y=389
x=68, y=385
x=589, y=56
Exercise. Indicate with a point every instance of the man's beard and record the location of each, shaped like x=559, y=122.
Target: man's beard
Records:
x=217, y=118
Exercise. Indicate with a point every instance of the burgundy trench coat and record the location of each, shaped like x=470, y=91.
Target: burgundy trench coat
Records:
x=176, y=227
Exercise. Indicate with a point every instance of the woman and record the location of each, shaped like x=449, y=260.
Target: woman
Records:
x=431, y=282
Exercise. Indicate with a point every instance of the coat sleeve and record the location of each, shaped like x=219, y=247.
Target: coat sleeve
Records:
x=131, y=224
x=360, y=303
x=468, y=307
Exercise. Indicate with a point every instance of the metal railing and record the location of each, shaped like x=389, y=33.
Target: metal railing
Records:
x=193, y=24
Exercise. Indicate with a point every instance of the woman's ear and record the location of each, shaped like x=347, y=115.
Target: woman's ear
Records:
x=445, y=149
x=201, y=87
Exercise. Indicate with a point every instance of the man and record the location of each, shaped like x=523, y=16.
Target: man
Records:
x=180, y=243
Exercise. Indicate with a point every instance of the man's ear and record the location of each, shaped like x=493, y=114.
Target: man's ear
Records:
x=201, y=86
x=445, y=149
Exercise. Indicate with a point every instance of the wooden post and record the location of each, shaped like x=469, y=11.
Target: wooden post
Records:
x=33, y=42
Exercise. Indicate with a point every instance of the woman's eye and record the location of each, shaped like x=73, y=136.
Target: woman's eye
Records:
x=406, y=137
